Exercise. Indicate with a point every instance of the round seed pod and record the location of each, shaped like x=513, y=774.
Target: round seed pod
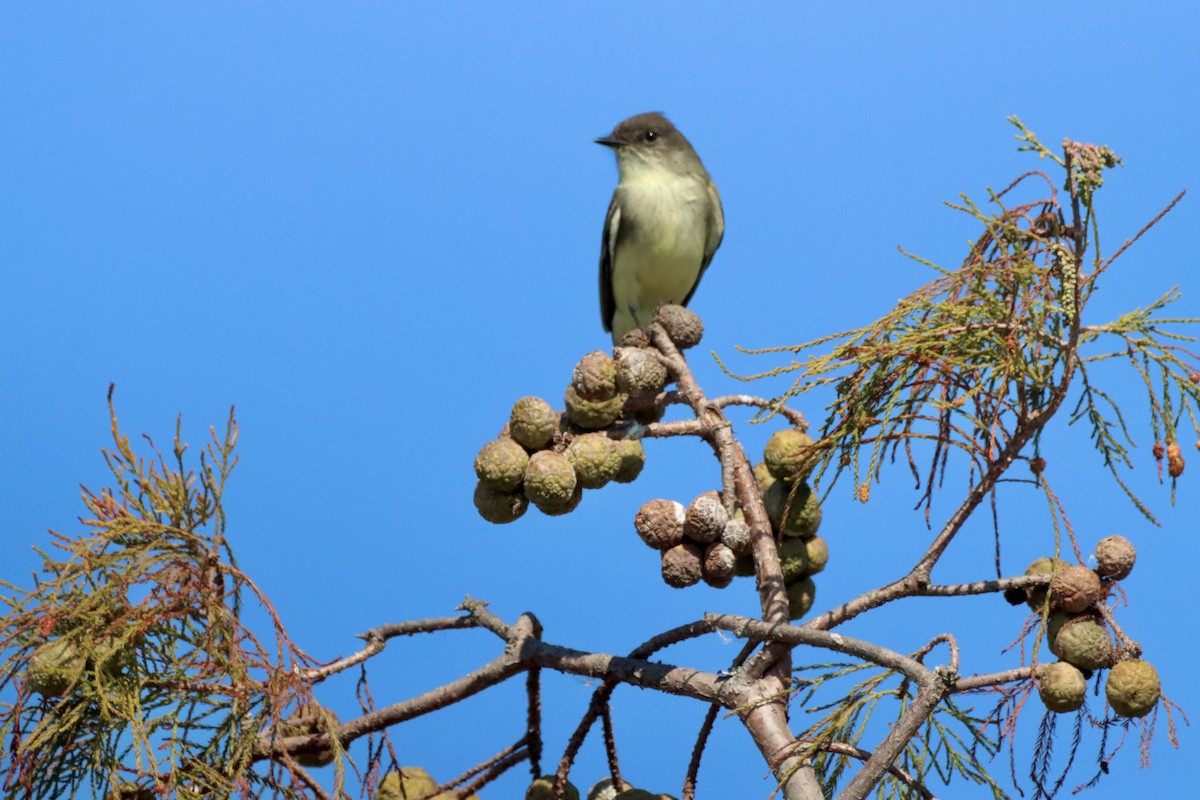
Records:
x=1062, y=687
x=1175, y=466
x=802, y=516
x=639, y=372
x=550, y=479
x=533, y=423
x=1133, y=688
x=543, y=789
x=774, y=501
x=604, y=790
x=705, y=518
x=660, y=523
x=818, y=554
x=1084, y=642
x=592, y=414
x=114, y=657
x=800, y=597
x=638, y=337
x=595, y=458
x=743, y=566
x=793, y=559
x=632, y=456
x=1043, y=566
x=558, y=509
x=763, y=476
x=501, y=464
x=682, y=565
x=787, y=455
x=1075, y=589
x=54, y=666
x=648, y=415
x=499, y=507
x=736, y=536
x=717, y=569
x=794, y=510
x=1015, y=597
x=595, y=376
x=310, y=720
x=1114, y=557
x=1054, y=624
x=404, y=783
x=683, y=326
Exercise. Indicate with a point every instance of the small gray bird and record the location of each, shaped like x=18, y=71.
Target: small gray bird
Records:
x=664, y=223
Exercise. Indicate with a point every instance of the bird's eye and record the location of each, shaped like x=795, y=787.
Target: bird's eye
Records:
x=651, y=136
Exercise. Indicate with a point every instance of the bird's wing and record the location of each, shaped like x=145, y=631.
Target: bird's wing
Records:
x=715, y=233
x=608, y=248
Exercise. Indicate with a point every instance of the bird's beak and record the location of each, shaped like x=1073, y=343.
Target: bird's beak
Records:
x=610, y=141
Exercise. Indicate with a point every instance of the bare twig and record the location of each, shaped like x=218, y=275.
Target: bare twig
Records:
x=790, y=414
x=377, y=637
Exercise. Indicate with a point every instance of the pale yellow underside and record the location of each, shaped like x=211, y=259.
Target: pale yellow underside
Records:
x=659, y=261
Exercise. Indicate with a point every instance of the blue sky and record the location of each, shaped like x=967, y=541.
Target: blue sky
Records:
x=373, y=226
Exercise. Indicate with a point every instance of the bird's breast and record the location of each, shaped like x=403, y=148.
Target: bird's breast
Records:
x=667, y=216
x=661, y=245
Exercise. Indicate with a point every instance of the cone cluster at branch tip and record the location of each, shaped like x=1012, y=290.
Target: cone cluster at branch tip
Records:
x=698, y=543
x=1077, y=634
x=547, y=458
x=705, y=543
x=57, y=665
x=794, y=511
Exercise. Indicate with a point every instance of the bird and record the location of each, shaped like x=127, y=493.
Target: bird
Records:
x=664, y=223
